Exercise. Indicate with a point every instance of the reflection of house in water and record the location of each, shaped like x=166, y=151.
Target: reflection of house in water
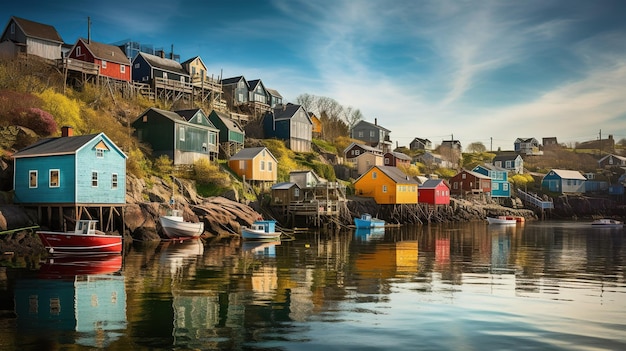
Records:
x=92, y=305
x=385, y=262
x=500, y=250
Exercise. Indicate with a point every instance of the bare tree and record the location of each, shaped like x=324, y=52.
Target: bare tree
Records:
x=476, y=147
x=307, y=101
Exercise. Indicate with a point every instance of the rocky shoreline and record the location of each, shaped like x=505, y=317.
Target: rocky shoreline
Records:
x=224, y=217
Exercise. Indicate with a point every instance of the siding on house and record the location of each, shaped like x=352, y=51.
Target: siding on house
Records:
x=387, y=185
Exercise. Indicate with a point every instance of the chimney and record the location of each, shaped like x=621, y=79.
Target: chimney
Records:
x=88, y=30
x=375, y=121
x=172, y=53
x=67, y=132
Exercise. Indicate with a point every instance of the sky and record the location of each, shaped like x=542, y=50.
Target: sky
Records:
x=475, y=71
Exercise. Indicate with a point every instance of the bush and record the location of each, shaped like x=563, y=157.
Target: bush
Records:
x=38, y=120
x=137, y=164
x=206, y=172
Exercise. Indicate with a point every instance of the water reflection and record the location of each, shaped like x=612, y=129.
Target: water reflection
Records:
x=63, y=305
x=442, y=287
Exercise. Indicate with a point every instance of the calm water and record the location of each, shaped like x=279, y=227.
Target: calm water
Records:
x=538, y=286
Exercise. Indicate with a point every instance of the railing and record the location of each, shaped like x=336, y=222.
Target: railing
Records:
x=172, y=84
x=81, y=66
x=535, y=200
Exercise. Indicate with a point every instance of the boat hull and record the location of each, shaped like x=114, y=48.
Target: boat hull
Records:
x=81, y=265
x=72, y=243
x=248, y=233
x=175, y=228
x=372, y=223
x=492, y=220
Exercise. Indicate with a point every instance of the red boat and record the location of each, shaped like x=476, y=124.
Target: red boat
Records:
x=85, y=239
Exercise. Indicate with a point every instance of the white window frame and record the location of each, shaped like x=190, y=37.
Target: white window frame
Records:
x=181, y=133
x=104, y=64
x=114, y=181
x=94, y=179
x=122, y=68
x=99, y=153
x=262, y=165
x=30, y=174
x=384, y=188
x=58, y=184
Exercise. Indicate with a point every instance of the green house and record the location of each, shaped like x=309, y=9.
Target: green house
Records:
x=184, y=138
x=231, y=136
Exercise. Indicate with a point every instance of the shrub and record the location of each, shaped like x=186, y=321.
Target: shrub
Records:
x=66, y=111
x=38, y=120
x=137, y=164
x=206, y=172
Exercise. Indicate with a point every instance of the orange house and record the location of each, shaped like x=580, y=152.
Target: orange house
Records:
x=255, y=164
x=387, y=185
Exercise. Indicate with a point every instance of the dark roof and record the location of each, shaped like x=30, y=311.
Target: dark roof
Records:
x=431, y=183
x=286, y=111
x=249, y=153
x=284, y=185
x=168, y=114
x=506, y=157
x=106, y=52
x=163, y=63
x=191, y=60
x=423, y=141
x=231, y=80
x=230, y=123
x=491, y=167
x=372, y=125
x=55, y=146
x=253, y=83
x=400, y=155
x=273, y=92
x=38, y=30
x=397, y=175
x=188, y=114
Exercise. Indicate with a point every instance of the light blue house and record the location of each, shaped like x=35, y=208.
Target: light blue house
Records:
x=499, y=179
x=564, y=181
x=72, y=172
x=510, y=161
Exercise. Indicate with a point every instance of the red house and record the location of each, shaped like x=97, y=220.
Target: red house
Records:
x=434, y=192
x=466, y=182
x=397, y=159
x=108, y=60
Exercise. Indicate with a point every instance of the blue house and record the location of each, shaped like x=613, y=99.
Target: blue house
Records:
x=564, y=181
x=73, y=172
x=160, y=72
x=499, y=179
x=510, y=161
x=291, y=123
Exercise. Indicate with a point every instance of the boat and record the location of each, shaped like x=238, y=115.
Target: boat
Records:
x=176, y=228
x=370, y=234
x=261, y=229
x=85, y=239
x=501, y=220
x=366, y=221
x=607, y=222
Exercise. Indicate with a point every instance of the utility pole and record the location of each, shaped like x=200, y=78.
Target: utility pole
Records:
x=490, y=143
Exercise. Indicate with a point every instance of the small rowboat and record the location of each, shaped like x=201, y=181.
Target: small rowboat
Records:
x=501, y=220
x=85, y=239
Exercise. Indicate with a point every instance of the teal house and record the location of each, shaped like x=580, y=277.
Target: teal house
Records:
x=184, y=136
x=71, y=173
x=499, y=179
x=232, y=136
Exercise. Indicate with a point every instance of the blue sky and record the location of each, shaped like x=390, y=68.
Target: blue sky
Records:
x=480, y=71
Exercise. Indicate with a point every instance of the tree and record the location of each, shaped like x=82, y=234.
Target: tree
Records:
x=38, y=120
x=66, y=111
x=476, y=147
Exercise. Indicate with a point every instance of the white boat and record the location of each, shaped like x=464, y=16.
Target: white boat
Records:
x=607, y=222
x=261, y=229
x=366, y=221
x=175, y=227
x=501, y=220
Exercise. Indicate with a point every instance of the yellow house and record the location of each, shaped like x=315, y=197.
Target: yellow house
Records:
x=387, y=185
x=317, y=125
x=255, y=164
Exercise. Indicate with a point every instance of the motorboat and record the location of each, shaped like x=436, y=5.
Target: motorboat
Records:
x=501, y=220
x=67, y=266
x=263, y=229
x=367, y=221
x=607, y=222
x=85, y=239
x=175, y=227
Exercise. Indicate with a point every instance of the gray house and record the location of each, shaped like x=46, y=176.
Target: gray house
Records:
x=373, y=134
x=511, y=162
x=22, y=37
x=421, y=144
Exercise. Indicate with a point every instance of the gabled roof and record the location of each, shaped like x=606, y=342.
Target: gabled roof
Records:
x=163, y=63
x=525, y=140
x=191, y=113
x=189, y=61
x=37, y=30
x=230, y=123
x=167, y=114
x=250, y=153
x=288, y=111
x=475, y=174
x=490, y=167
x=400, y=155
x=60, y=146
x=284, y=186
x=273, y=92
x=106, y=52
x=423, y=141
x=232, y=80
x=368, y=124
x=506, y=157
x=253, y=83
x=568, y=174
x=394, y=173
x=364, y=147
x=621, y=158
x=432, y=183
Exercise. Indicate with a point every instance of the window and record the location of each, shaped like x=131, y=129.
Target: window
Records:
x=505, y=186
x=94, y=179
x=386, y=161
x=165, y=75
x=114, y=181
x=122, y=68
x=242, y=164
x=262, y=165
x=269, y=166
x=99, y=153
x=32, y=179
x=463, y=176
x=12, y=28
x=384, y=188
x=372, y=133
x=181, y=133
x=54, y=178
x=374, y=175
x=136, y=66
x=360, y=133
x=357, y=152
x=296, y=192
x=104, y=64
